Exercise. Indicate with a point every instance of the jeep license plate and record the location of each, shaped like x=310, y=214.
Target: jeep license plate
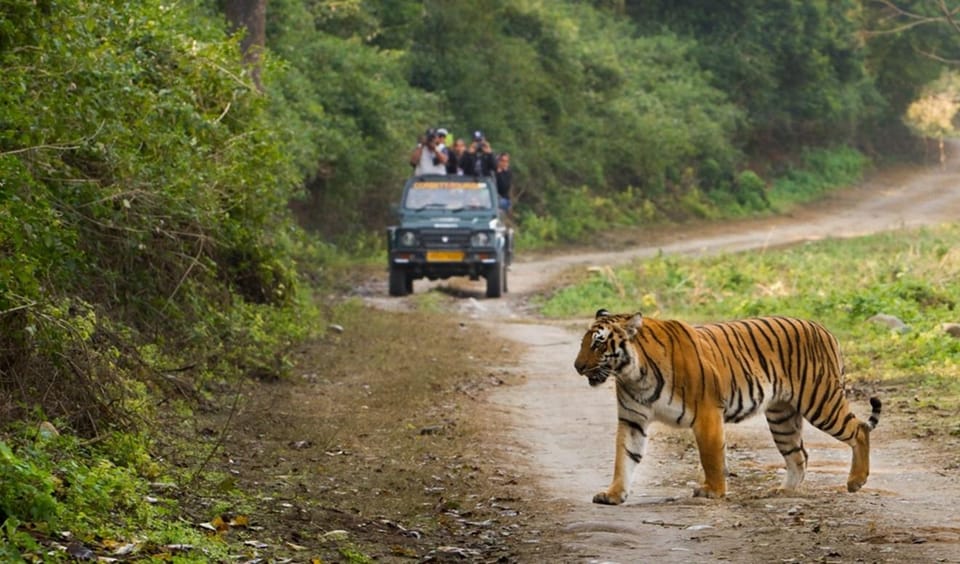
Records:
x=444, y=256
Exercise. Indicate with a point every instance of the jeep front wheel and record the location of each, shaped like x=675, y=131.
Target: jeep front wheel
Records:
x=400, y=283
x=496, y=280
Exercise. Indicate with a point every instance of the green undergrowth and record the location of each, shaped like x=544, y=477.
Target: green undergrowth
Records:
x=820, y=172
x=63, y=499
x=147, y=252
x=576, y=214
x=912, y=275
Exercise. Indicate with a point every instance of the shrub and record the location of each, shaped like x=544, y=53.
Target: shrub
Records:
x=26, y=491
x=820, y=170
x=149, y=209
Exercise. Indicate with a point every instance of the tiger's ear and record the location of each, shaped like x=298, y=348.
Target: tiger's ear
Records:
x=601, y=313
x=634, y=324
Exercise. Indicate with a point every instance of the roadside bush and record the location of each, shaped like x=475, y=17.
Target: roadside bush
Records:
x=54, y=485
x=579, y=212
x=819, y=171
x=751, y=191
x=695, y=204
x=144, y=200
x=26, y=491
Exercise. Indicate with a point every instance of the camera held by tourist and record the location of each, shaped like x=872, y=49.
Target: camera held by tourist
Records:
x=479, y=159
x=428, y=157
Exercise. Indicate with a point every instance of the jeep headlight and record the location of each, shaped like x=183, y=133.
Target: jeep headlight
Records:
x=480, y=239
x=408, y=239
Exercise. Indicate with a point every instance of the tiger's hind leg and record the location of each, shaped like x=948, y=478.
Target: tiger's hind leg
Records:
x=860, y=463
x=835, y=418
x=860, y=441
x=786, y=426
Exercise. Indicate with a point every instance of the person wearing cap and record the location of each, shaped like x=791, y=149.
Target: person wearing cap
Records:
x=426, y=158
x=479, y=159
x=442, y=145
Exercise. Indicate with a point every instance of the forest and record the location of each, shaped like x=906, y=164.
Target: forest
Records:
x=179, y=181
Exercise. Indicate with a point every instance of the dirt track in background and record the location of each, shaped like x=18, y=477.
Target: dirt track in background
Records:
x=565, y=430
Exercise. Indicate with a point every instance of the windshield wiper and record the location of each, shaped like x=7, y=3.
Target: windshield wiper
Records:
x=430, y=205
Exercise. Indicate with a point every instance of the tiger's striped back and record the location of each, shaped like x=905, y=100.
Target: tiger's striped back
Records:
x=791, y=360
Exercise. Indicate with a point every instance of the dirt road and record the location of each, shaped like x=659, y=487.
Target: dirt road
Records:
x=564, y=429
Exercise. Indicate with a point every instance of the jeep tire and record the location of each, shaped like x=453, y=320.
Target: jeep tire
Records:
x=496, y=280
x=400, y=283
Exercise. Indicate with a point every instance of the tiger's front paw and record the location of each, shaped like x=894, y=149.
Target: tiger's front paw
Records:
x=781, y=491
x=606, y=498
x=854, y=484
x=710, y=493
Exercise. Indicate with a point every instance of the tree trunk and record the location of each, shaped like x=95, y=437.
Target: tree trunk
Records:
x=251, y=15
x=943, y=155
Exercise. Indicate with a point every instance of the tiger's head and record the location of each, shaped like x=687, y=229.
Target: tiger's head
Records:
x=604, y=350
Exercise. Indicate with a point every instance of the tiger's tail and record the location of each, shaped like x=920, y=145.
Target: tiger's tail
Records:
x=871, y=423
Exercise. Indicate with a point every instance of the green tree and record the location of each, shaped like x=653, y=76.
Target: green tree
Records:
x=351, y=115
x=575, y=94
x=909, y=45
x=144, y=202
x=795, y=67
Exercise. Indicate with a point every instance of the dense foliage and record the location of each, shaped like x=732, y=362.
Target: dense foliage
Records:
x=644, y=104
x=143, y=201
x=573, y=93
x=796, y=67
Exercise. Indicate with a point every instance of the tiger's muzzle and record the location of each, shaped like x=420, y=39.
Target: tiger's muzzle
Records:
x=595, y=375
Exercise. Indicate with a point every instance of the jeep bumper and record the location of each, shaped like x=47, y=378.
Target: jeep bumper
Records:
x=444, y=263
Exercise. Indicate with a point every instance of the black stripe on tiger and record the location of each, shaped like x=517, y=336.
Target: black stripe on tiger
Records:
x=634, y=426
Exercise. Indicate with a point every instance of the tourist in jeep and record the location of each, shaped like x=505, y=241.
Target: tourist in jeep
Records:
x=504, y=181
x=427, y=158
x=442, y=144
x=456, y=158
x=479, y=159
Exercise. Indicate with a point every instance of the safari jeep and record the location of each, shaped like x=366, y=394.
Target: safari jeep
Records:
x=449, y=226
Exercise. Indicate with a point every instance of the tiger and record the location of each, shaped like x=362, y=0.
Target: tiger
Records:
x=703, y=376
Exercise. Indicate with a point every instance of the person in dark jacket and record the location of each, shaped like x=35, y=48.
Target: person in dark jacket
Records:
x=504, y=180
x=456, y=158
x=479, y=159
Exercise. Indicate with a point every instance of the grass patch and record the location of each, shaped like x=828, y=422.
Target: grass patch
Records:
x=61, y=496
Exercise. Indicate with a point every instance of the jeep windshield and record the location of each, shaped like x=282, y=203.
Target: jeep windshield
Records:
x=448, y=196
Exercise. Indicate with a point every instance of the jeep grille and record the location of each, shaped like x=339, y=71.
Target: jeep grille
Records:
x=445, y=239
